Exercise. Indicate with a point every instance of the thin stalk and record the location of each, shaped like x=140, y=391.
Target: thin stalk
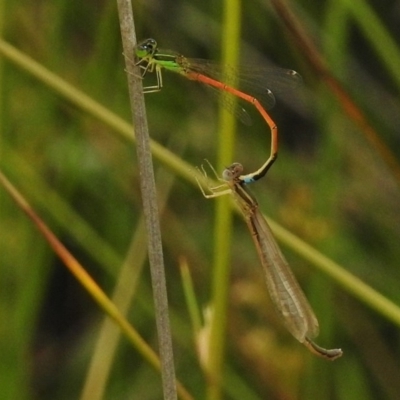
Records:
x=223, y=214
x=149, y=198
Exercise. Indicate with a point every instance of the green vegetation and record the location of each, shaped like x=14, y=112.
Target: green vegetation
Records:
x=66, y=144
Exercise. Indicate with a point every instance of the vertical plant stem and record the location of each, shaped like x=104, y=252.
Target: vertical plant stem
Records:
x=2, y=9
x=223, y=226
x=150, y=207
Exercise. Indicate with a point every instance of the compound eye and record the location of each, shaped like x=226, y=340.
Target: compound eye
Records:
x=146, y=47
x=150, y=45
x=227, y=175
x=236, y=169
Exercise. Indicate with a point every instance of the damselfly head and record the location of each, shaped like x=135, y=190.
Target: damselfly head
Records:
x=146, y=48
x=232, y=172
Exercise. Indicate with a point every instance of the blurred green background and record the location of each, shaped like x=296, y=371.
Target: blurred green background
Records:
x=330, y=187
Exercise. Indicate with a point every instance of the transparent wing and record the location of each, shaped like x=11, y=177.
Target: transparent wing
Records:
x=260, y=82
x=286, y=294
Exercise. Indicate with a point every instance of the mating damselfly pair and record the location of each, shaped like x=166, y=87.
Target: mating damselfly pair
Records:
x=258, y=86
